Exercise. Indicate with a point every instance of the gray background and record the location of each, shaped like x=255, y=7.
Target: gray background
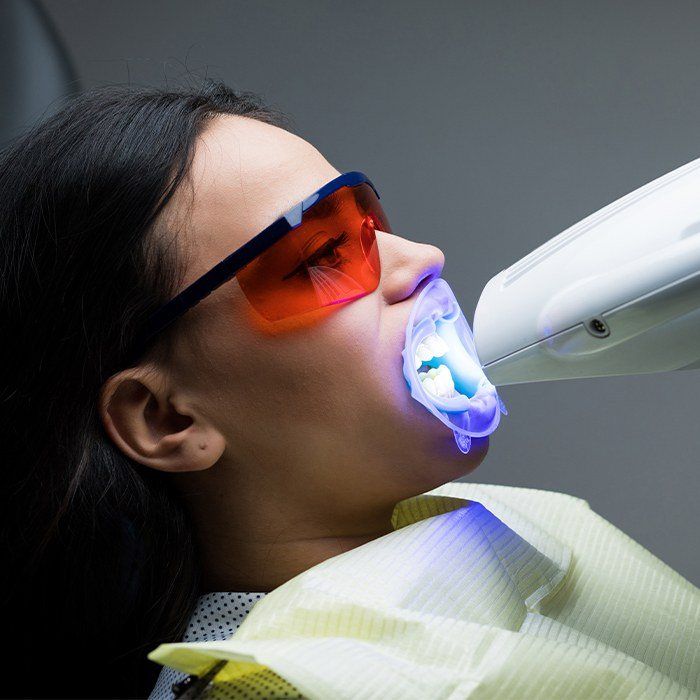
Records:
x=488, y=127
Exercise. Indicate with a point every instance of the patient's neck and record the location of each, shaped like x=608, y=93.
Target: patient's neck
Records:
x=254, y=535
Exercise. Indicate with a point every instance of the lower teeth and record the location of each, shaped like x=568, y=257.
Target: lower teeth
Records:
x=438, y=381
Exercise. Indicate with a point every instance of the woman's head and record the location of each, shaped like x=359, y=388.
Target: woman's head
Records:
x=108, y=209
x=318, y=399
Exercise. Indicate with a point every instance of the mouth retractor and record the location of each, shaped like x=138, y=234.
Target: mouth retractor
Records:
x=443, y=370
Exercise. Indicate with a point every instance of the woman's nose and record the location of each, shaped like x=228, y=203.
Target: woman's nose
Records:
x=405, y=265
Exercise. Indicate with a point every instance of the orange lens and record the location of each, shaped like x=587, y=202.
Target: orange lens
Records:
x=330, y=258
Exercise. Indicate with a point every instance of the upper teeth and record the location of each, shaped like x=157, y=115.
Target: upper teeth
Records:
x=431, y=346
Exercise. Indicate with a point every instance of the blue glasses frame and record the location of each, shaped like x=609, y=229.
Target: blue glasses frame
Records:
x=226, y=269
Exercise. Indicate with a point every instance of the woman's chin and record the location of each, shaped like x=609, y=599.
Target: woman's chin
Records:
x=478, y=450
x=430, y=444
x=456, y=464
x=437, y=458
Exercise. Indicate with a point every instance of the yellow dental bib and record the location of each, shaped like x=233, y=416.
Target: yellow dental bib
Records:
x=480, y=592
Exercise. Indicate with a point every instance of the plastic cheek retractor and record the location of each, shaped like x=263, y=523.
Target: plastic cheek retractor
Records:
x=443, y=370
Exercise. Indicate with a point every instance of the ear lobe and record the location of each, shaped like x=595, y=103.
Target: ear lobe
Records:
x=141, y=416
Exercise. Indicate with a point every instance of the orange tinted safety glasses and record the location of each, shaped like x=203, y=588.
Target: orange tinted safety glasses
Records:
x=322, y=252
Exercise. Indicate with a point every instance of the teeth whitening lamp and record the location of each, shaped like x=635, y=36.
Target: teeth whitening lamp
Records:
x=618, y=293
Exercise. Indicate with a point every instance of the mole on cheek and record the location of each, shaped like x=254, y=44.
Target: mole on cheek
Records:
x=202, y=446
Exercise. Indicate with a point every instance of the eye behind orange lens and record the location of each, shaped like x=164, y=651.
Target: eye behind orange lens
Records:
x=286, y=280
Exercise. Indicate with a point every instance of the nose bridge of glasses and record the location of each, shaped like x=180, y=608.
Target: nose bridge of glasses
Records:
x=314, y=207
x=295, y=214
x=347, y=181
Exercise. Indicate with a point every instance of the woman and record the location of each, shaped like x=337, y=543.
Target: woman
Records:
x=288, y=442
x=170, y=463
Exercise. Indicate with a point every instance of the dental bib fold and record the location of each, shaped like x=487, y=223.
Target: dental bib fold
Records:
x=442, y=368
x=479, y=592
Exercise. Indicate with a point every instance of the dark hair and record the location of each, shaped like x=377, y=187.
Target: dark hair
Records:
x=99, y=565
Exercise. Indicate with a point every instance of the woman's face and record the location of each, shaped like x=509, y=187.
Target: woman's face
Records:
x=318, y=401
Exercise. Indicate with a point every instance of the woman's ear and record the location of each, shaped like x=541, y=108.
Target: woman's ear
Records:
x=151, y=424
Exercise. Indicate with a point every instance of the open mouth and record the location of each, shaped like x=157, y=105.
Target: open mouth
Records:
x=443, y=370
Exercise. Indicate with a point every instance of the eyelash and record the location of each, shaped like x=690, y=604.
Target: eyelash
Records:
x=327, y=248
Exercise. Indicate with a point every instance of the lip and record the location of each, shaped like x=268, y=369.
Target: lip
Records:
x=422, y=285
x=475, y=409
